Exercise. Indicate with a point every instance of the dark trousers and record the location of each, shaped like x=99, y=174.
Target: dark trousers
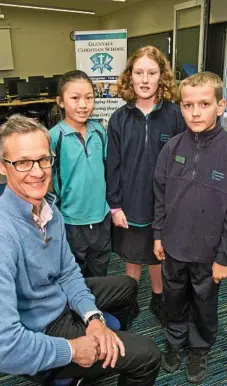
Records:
x=91, y=246
x=140, y=366
x=191, y=301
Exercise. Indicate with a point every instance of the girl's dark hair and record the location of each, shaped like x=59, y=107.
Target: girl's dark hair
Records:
x=71, y=76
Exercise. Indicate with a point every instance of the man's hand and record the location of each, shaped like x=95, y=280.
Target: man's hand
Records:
x=159, y=250
x=109, y=343
x=119, y=219
x=85, y=350
x=219, y=272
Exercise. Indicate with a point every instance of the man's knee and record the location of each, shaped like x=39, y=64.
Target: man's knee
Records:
x=142, y=354
x=130, y=283
x=150, y=353
x=123, y=283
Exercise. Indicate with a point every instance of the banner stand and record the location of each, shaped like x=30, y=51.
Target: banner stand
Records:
x=103, y=56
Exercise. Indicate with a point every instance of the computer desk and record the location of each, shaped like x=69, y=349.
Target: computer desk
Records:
x=18, y=102
x=17, y=106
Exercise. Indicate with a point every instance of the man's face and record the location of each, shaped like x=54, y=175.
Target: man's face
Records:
x=30, y=185
x=200, y=108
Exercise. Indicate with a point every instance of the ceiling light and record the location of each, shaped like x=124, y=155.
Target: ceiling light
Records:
x=39, y=8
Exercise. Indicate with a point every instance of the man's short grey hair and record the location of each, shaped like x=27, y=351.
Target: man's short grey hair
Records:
x=20, y=124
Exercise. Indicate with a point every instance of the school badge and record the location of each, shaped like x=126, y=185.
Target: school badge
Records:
x=101, y=62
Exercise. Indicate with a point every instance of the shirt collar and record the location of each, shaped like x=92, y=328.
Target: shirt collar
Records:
x=45, y=216
x=132, y=106
x=19, y=207
x=206, y=135
x=67, y=130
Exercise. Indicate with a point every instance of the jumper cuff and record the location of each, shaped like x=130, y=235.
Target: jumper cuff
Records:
x=63, y=352
x=221, y=258
x=113, y=211
x=114, y=205
x=157, y=234
x=84, y=306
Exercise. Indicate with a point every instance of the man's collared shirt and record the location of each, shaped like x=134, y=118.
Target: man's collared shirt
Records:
x=46, y=215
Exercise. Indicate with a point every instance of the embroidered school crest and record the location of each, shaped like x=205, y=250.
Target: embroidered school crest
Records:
x=164, y=137
x=217, y=176
x=101, y=62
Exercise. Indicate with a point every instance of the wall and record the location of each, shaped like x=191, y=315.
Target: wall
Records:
x=40, y=40
x=154, y=16
x=41, y=44
x=148, y=17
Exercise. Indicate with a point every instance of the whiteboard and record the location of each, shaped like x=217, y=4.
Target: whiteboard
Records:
x=6, y=55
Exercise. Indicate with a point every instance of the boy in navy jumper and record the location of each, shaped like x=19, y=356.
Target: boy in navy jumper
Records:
x=190, y=226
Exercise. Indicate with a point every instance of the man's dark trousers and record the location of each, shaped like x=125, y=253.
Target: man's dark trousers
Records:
x=191, y=301
x=114, y=294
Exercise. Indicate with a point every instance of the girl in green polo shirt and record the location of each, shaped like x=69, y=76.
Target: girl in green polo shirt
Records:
x=79, y=174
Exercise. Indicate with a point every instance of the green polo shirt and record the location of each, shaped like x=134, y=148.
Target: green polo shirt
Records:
x=82, y=171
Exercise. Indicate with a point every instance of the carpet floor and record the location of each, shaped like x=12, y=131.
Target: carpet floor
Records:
x=146, y=324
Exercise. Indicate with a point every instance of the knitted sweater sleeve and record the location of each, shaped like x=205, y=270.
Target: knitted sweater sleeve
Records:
x=22, y=351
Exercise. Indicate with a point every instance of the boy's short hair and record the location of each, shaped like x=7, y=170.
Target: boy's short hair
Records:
x=204, y=78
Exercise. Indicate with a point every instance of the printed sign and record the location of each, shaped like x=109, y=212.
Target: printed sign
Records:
x=102, y=55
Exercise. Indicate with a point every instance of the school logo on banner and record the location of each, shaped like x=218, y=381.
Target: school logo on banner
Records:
x=101, y=62
x=103, y=56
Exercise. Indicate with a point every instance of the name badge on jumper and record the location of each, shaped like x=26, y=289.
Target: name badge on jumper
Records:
x=179, y=159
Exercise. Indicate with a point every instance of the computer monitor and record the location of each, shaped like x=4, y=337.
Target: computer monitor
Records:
x=12, y=85
x=49, y=79
x=40, y=80
x=57, y=76
x=6, y=80
x=2, y=92
x=35, y=78
x=52, y=88
x=28, y=90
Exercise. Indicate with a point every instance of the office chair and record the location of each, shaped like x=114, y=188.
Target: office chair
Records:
x=3, y=115
x=38, y=111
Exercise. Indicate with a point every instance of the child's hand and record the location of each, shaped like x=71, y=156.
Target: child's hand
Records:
x=219, y=272
x=159, y=250
x=119, y=219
